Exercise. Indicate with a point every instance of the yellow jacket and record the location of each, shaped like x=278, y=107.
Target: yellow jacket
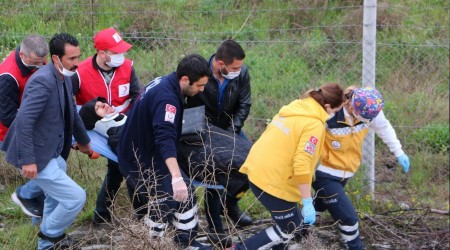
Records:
x=287, y=152
x=342, y=151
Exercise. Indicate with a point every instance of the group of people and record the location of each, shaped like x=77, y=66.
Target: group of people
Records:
x=315, y=141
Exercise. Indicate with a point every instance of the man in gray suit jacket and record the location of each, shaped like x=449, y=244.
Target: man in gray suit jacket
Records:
x=42, y=132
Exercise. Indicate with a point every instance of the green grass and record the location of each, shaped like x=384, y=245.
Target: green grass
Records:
x=291, y=46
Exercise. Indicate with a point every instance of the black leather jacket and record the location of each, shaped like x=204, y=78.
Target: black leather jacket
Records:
x=236, y=102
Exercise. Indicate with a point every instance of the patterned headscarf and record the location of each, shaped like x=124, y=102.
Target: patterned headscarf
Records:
x=367, y=102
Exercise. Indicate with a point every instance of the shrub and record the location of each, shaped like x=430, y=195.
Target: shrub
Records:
x=435, y=136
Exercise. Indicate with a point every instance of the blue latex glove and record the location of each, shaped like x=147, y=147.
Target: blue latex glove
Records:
x=308, y=211
x=403, y=160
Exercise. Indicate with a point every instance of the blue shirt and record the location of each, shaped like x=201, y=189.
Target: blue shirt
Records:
x=222, y=87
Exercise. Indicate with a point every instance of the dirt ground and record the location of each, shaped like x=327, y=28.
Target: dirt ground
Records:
x=417, y=229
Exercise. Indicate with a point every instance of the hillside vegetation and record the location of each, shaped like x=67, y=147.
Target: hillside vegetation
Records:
x=291, y=46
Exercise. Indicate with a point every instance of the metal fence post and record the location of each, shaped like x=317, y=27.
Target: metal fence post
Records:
x=368, y=79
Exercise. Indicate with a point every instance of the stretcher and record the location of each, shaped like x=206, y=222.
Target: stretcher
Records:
x=99, y=144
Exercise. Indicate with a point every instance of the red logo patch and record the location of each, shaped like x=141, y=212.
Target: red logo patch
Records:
x=171, y=108
x=310, y=148
x=313, y=140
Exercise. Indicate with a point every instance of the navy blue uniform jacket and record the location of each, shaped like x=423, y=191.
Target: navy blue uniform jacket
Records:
x=153, y=128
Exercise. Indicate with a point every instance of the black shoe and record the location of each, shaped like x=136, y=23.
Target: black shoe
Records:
x=238, y=217
x=66, y=243
x=220, y=239
x=195, y=245
x=31, y=207
x=101, y=217
x=61, y=242
x=102, y=222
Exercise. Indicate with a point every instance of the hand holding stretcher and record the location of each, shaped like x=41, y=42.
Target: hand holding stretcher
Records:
x=93, y=155
x=99, y=145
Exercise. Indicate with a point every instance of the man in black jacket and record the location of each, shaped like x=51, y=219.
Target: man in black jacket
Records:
x=227, y=100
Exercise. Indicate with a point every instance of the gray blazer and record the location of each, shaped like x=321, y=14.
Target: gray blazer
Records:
x=38, y=132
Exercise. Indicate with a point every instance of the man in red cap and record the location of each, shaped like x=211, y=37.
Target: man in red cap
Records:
x=110, y=75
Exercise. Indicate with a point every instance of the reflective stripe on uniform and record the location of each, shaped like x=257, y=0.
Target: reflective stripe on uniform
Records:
x=335, y=172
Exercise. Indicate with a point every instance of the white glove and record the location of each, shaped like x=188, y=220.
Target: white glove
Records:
x=180, y=192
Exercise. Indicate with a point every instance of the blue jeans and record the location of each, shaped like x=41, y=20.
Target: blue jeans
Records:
x=29, y=190
x=64, y=200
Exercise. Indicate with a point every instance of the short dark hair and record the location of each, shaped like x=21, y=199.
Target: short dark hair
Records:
x=230, y=50
x=58, y=42
x=194, y=67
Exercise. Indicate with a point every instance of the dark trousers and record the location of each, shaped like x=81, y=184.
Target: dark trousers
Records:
x=215, y=202
x=213, y=207
x=108, y=191
x=287, y=217
x=161, y=208
x=331, y=196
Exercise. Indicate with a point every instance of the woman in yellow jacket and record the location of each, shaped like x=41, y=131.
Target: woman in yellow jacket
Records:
x=281, y=164
x=342, y=154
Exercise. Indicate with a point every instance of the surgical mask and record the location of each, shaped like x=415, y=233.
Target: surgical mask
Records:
x=32, y=67
x=360, y=118
x=64, y=71
x=116, y=60
x=231, y=75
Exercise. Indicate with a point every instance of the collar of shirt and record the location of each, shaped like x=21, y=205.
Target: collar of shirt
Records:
x=348, y=117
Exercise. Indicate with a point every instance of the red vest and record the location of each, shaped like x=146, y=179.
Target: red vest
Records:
x=93, y=85
x=10, y=67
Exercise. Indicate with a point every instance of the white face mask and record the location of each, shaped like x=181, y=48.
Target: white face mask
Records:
x=231, y=75
x=64, y=71
x=116, y=60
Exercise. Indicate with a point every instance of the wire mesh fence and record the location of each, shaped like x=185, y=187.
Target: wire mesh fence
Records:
x=291, y=46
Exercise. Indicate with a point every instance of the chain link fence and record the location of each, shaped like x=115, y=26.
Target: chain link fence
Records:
x=291, y=46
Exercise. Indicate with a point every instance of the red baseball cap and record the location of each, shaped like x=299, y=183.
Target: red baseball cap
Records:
x=110, y=39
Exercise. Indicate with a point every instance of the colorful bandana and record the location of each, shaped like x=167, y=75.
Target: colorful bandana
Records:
x=367, y=102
